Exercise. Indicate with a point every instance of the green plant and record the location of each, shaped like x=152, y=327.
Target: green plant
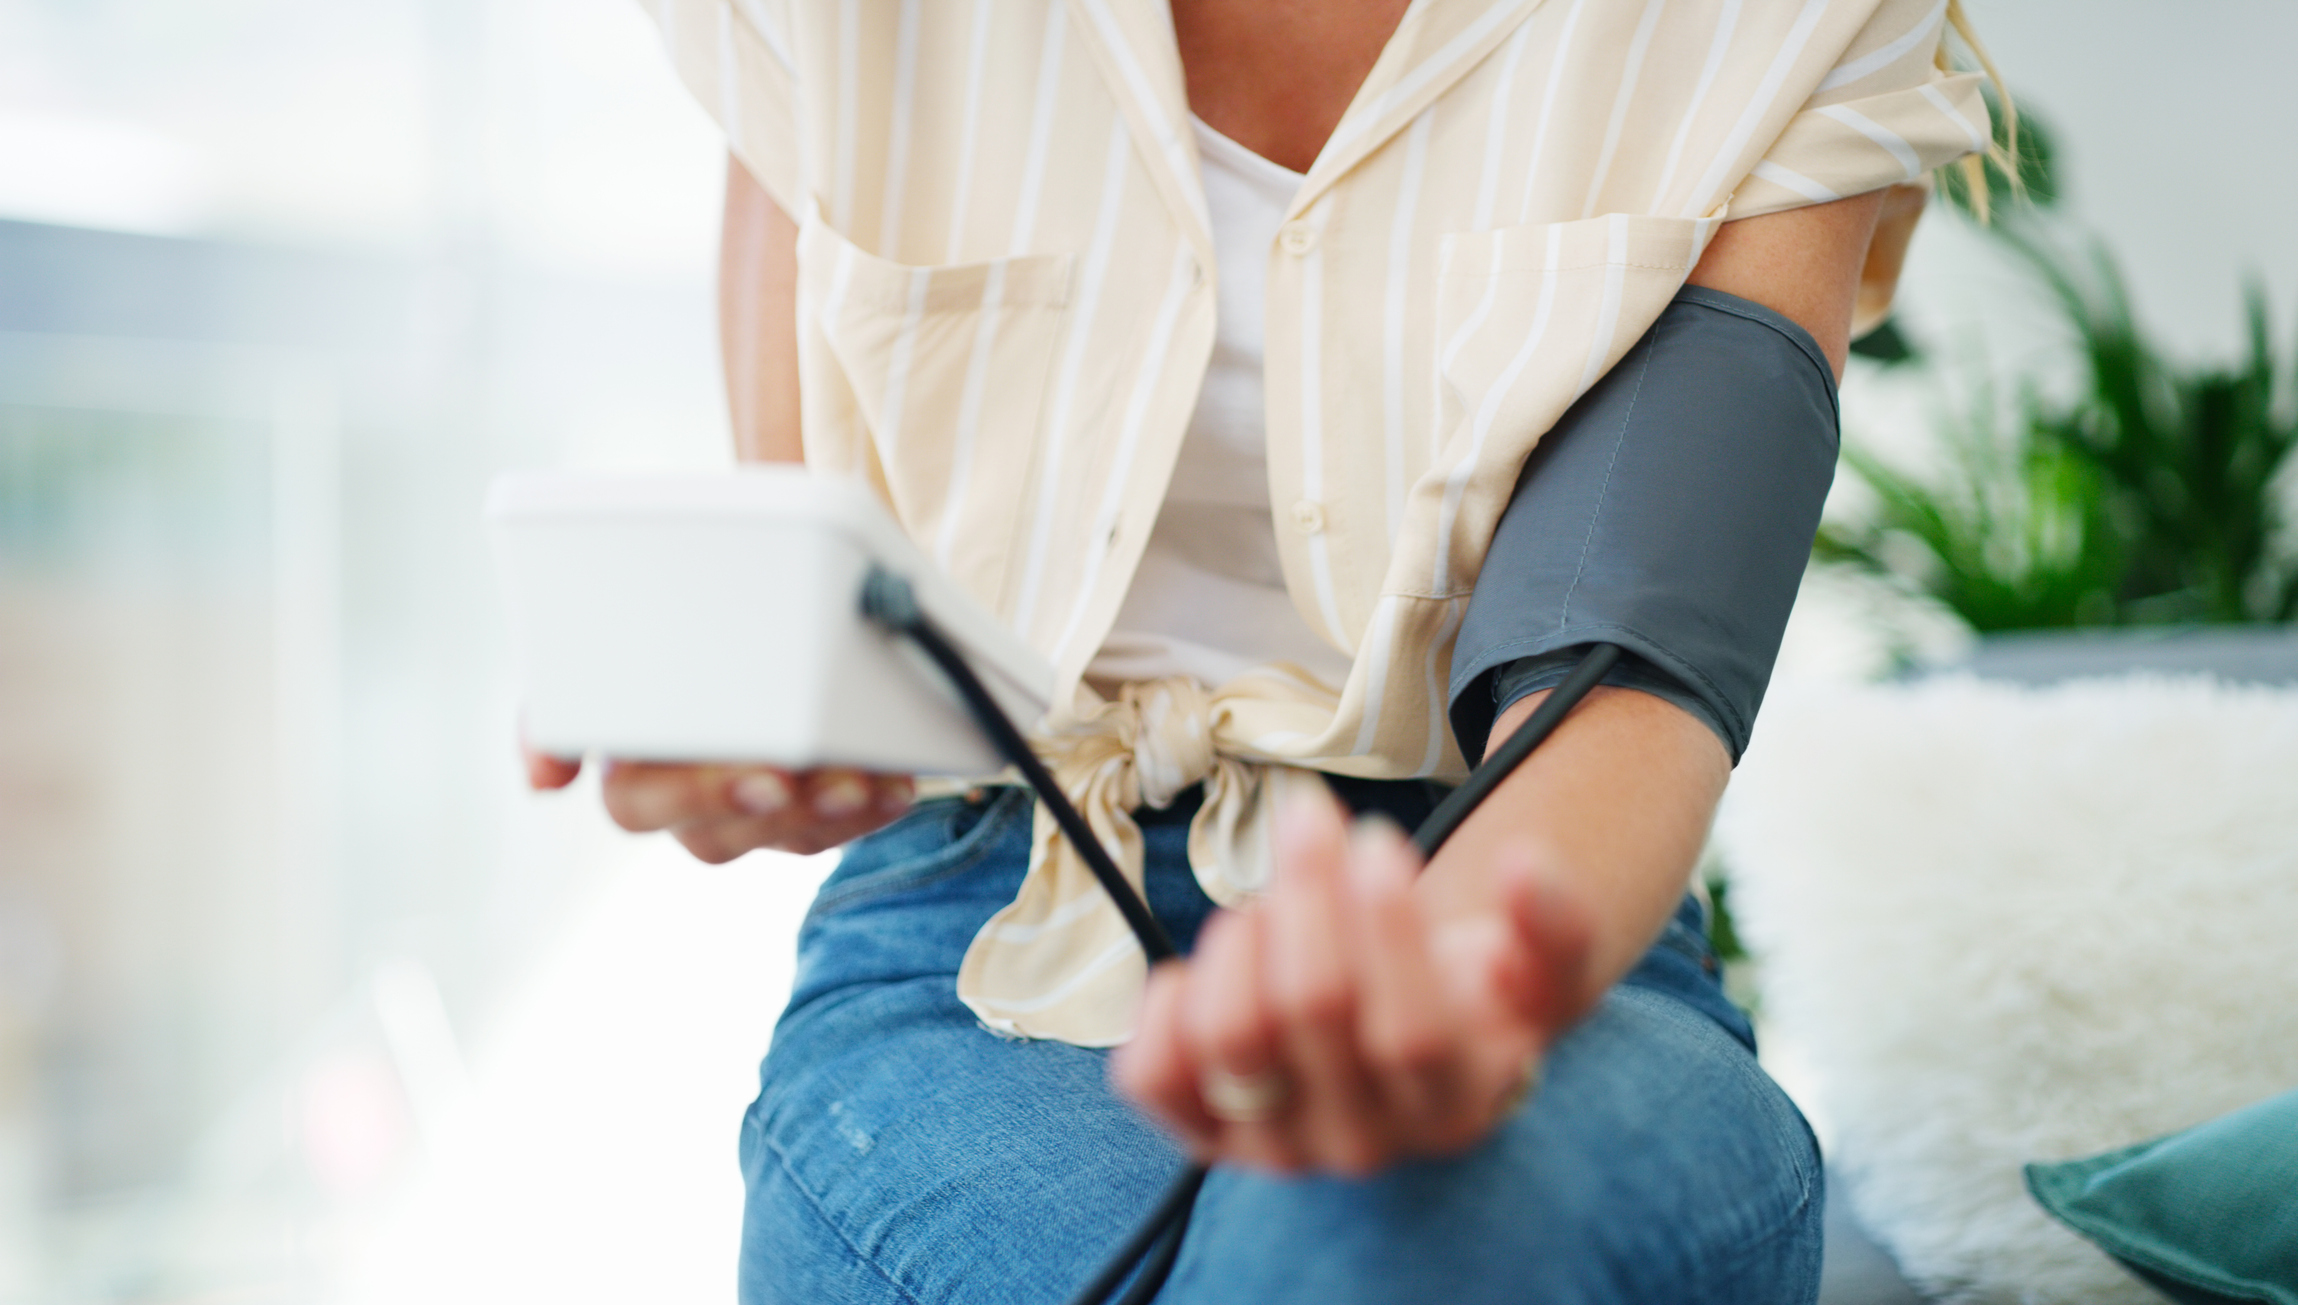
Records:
x=1723, y=931
x=2149, y=496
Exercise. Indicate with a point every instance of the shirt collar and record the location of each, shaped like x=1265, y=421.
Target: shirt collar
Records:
x=1436, y=44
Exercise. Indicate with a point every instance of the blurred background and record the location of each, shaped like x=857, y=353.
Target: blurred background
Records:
x=302, y=997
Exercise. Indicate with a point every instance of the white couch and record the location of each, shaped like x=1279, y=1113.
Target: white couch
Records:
x=2002, y=921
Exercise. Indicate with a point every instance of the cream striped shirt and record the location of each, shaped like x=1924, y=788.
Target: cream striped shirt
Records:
x=1006, y=306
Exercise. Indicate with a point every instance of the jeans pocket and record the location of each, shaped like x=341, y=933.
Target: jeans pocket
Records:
x=936, y=840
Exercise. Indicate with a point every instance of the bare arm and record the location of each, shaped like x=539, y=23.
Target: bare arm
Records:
x=1617, y=804
x=758, y=320
x=1396, y=1014
x=1804, y=264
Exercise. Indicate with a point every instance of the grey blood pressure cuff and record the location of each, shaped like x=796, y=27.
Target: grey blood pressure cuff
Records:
x=1670, y=511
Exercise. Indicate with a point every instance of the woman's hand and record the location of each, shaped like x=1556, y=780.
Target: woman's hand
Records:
x=1360, y=1027
x=719, y=812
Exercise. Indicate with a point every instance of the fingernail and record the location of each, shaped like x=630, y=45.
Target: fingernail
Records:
x=841, y=796
x=1376, y=829
x=1375, y=834
x=761, y=793
x=1376, y=845
x=894, y=797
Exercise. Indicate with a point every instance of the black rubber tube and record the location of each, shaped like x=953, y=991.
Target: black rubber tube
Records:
x=888, y=600
x=1593, y=665
x=1170, y=1213
x=1159, y=1266
x=1169, y=1221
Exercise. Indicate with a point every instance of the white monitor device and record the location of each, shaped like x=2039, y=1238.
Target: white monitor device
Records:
x=716, y=616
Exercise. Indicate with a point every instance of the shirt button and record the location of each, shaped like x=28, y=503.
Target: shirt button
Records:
x=1308, y=517
x=1298, y=238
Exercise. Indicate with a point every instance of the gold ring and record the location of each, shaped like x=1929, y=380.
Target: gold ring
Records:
x=1526, y=1085
x=1244, y=1098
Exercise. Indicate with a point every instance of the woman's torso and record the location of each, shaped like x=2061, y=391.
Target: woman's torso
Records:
x=1208, y=598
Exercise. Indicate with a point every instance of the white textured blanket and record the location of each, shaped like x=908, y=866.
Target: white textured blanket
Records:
x=2000, y=924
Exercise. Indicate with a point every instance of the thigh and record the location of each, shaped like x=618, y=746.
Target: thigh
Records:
x=1658, y=1163
x=899, y=1152
x=926, y=1160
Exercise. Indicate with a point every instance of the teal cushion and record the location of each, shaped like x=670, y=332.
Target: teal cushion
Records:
x=2208, y=1216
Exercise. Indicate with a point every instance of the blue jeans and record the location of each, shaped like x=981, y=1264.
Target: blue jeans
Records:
x=898, y=1152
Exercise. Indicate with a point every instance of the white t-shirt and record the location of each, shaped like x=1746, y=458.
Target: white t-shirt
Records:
x=1208, y=600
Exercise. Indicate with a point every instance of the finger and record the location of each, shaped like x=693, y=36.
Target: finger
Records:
x=837, y=796
x=718, y=839
x=1313, y=984
x=1521, y=974
x=806, y=835
x=821, y=809
x=894, y=794
x=720, y=812
x=545, y=771
x=1231, y=1029
x=839, y=806
x=1409, y=1025
x=1155, y=1070
x=1543, y=977
x=548, y=772
x=767, y=791
x=645, y=796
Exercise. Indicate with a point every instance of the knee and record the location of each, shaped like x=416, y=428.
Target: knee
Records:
x=1669, y=1154
x=1658, y=1163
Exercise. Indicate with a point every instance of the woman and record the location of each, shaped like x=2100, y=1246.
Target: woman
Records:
x=1261, y=363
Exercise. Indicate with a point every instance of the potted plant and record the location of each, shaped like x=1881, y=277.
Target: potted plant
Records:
x=2150, y=497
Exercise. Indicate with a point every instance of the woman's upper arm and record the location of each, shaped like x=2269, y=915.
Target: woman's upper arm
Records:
x=1803, y=263
x=758, y=320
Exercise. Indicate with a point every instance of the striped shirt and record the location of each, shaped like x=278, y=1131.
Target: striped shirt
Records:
x=1006, y=306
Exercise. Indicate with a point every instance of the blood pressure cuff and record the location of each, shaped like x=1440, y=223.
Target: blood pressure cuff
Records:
x=1670, y=511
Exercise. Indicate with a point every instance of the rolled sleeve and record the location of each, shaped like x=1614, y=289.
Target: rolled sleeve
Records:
x=1883, y=115
x=1855, y=146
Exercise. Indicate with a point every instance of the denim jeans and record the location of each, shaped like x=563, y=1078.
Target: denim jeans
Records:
x=899, y=1152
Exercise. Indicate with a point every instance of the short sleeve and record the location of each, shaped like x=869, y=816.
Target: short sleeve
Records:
x=735, y=56
x=1884, y=115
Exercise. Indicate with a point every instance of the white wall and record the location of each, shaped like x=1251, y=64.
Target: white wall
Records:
x=2174, y=149
x=2174, y=126
x=346, y=258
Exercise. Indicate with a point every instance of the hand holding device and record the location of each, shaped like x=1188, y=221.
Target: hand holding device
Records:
x=702, y=631
x=719, y=811
x=713, y=617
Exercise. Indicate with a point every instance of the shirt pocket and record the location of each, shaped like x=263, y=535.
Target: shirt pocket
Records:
x=1529, y=317
x=932, y=379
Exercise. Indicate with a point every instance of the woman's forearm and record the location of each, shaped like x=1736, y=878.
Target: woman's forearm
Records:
x=1613, y=808
x=758, y=320
x=1616, y=805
